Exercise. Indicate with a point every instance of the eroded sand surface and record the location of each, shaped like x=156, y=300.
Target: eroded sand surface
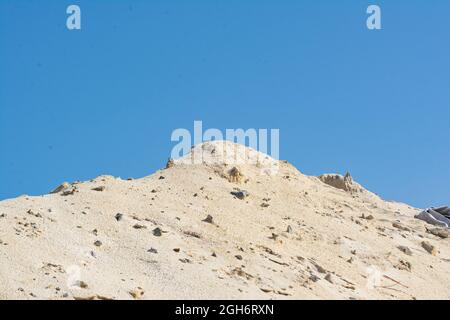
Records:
x=212, y=231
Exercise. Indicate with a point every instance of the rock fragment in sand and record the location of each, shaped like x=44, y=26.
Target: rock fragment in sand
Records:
x=241, y=273
x=170, y=163
x=274, y=236
x=369, y=217
x=81, y=284
x=329, y=278
x=344, y=183
x=139, y=226
x=152, y=250
x=100, y=188
x=60, y=188
x=70, y=192
x=118, y=216
x=289, y=229
x=176, y=250
x=429, y=248
x=400, y=226
x=240, y=194
x=137, y=293
x=157, y=232
x=238, y=256
x=98, y=243
x=319, y=268
x=314, y=278
x=193, y=234
x=185, y=260
x=208, y=219
x=405, y=250
x=265, y=205
x=35, y=214
x=439, y=232
x=235, y=175
x=404, y=265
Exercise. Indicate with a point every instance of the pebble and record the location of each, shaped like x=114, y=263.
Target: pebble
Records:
x=185, y=260
x=430, y=248
x=241, y=194
x=314, y=278
x=319, y=268
x=405, y=250
x=329, y=278
x=404, y=265
x=98, y=243
x=60, y=188
x=273, y=236
x=137, y=293
x=208, y=219
x=81, y=284
x=193, y=234
x=441, y=233
x=118, y=216
x=100, y=188
x=69, y=192
x=400, y=226
x=157, y=232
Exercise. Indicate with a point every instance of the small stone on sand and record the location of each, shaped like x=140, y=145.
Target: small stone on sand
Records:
x=208, y=219
x=430, y=248
x=157, y=232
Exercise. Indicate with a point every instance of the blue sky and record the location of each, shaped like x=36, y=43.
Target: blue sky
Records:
x=105, y=99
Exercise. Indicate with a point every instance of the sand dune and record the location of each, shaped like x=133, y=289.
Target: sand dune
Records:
x=214, y=229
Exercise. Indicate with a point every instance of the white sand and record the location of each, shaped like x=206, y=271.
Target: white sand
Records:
x=48, y=251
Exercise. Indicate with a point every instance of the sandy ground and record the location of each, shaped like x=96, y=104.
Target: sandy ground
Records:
x=291, y=236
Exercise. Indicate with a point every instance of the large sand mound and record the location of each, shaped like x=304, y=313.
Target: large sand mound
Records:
x=218, y=228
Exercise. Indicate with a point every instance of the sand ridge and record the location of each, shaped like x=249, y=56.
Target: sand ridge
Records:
x=218, y=230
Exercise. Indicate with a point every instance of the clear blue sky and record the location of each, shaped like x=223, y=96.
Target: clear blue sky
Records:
x=105, y=99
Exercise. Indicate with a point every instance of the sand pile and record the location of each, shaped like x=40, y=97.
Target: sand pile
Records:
x=224, y=156
x=219, y=228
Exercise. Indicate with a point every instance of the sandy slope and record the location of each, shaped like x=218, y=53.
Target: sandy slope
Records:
x=292, y=237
